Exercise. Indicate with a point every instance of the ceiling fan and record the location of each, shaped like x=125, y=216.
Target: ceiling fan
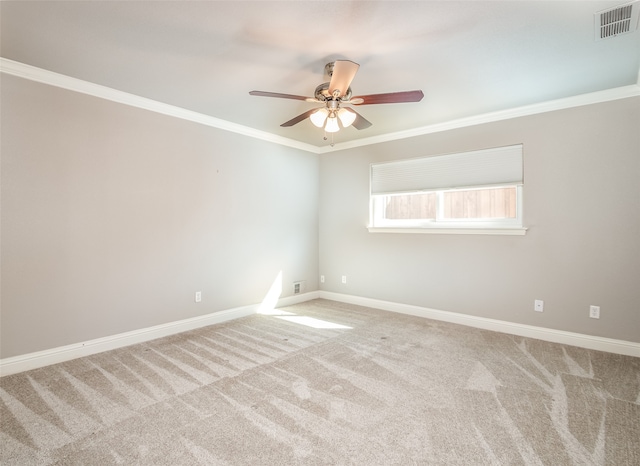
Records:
x=337, y=92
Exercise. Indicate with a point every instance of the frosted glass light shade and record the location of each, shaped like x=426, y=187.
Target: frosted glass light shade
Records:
x=332, y=125
x=346, y=117
x=317, y=118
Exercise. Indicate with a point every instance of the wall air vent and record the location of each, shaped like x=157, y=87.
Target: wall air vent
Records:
x=620, y=20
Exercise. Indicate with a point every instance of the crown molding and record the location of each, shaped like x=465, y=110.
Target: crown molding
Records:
x=33, y=73
x=40, y=75
x=517, y=112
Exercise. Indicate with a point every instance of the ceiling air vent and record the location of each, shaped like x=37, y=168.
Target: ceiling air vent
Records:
x=617, y=21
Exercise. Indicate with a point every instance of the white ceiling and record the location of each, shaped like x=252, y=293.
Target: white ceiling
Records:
x=470, y=58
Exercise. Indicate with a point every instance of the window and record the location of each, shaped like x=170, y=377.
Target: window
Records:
x=479, y=191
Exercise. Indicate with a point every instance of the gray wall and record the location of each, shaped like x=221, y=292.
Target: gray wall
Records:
x=112, y=218
x=581, y=204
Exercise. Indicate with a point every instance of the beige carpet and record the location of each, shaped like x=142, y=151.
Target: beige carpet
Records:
x=372, y=388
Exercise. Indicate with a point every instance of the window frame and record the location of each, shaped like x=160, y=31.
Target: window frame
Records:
x=378, y=221
x=498, y=226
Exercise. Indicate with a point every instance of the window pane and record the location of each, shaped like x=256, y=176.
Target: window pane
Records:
x=480, y=203
x=411, y=206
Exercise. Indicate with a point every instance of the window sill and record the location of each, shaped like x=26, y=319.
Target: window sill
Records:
x=452, y=231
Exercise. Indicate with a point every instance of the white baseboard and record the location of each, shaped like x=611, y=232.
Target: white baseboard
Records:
x=556, y=336
x=37, y=359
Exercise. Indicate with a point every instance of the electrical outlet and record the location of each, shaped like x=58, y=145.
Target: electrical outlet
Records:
x=321, y=278
x=538, y=305
x=344, y=279
x=594, y=312
x=198, y=296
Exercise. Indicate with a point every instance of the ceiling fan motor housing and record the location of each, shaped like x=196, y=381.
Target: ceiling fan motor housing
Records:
x=322, y=93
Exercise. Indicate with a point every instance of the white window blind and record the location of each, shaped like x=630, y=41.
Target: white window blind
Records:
x=488, y=167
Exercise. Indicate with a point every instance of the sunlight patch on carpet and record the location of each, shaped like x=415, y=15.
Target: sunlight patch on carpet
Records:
x=312, y=322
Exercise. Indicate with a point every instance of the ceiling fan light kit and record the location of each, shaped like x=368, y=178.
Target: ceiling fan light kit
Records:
x=336, y=92
x=346, y=116
x=332, y=125
x=328, y=117
x=319, y=117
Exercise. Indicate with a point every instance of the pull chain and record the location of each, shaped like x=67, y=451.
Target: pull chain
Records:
x=325, y=138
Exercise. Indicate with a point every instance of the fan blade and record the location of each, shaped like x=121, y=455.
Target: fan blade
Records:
x=343, y=73
x=281, y=96
x=389, y=98
x=360, y=122
x=299, y=118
